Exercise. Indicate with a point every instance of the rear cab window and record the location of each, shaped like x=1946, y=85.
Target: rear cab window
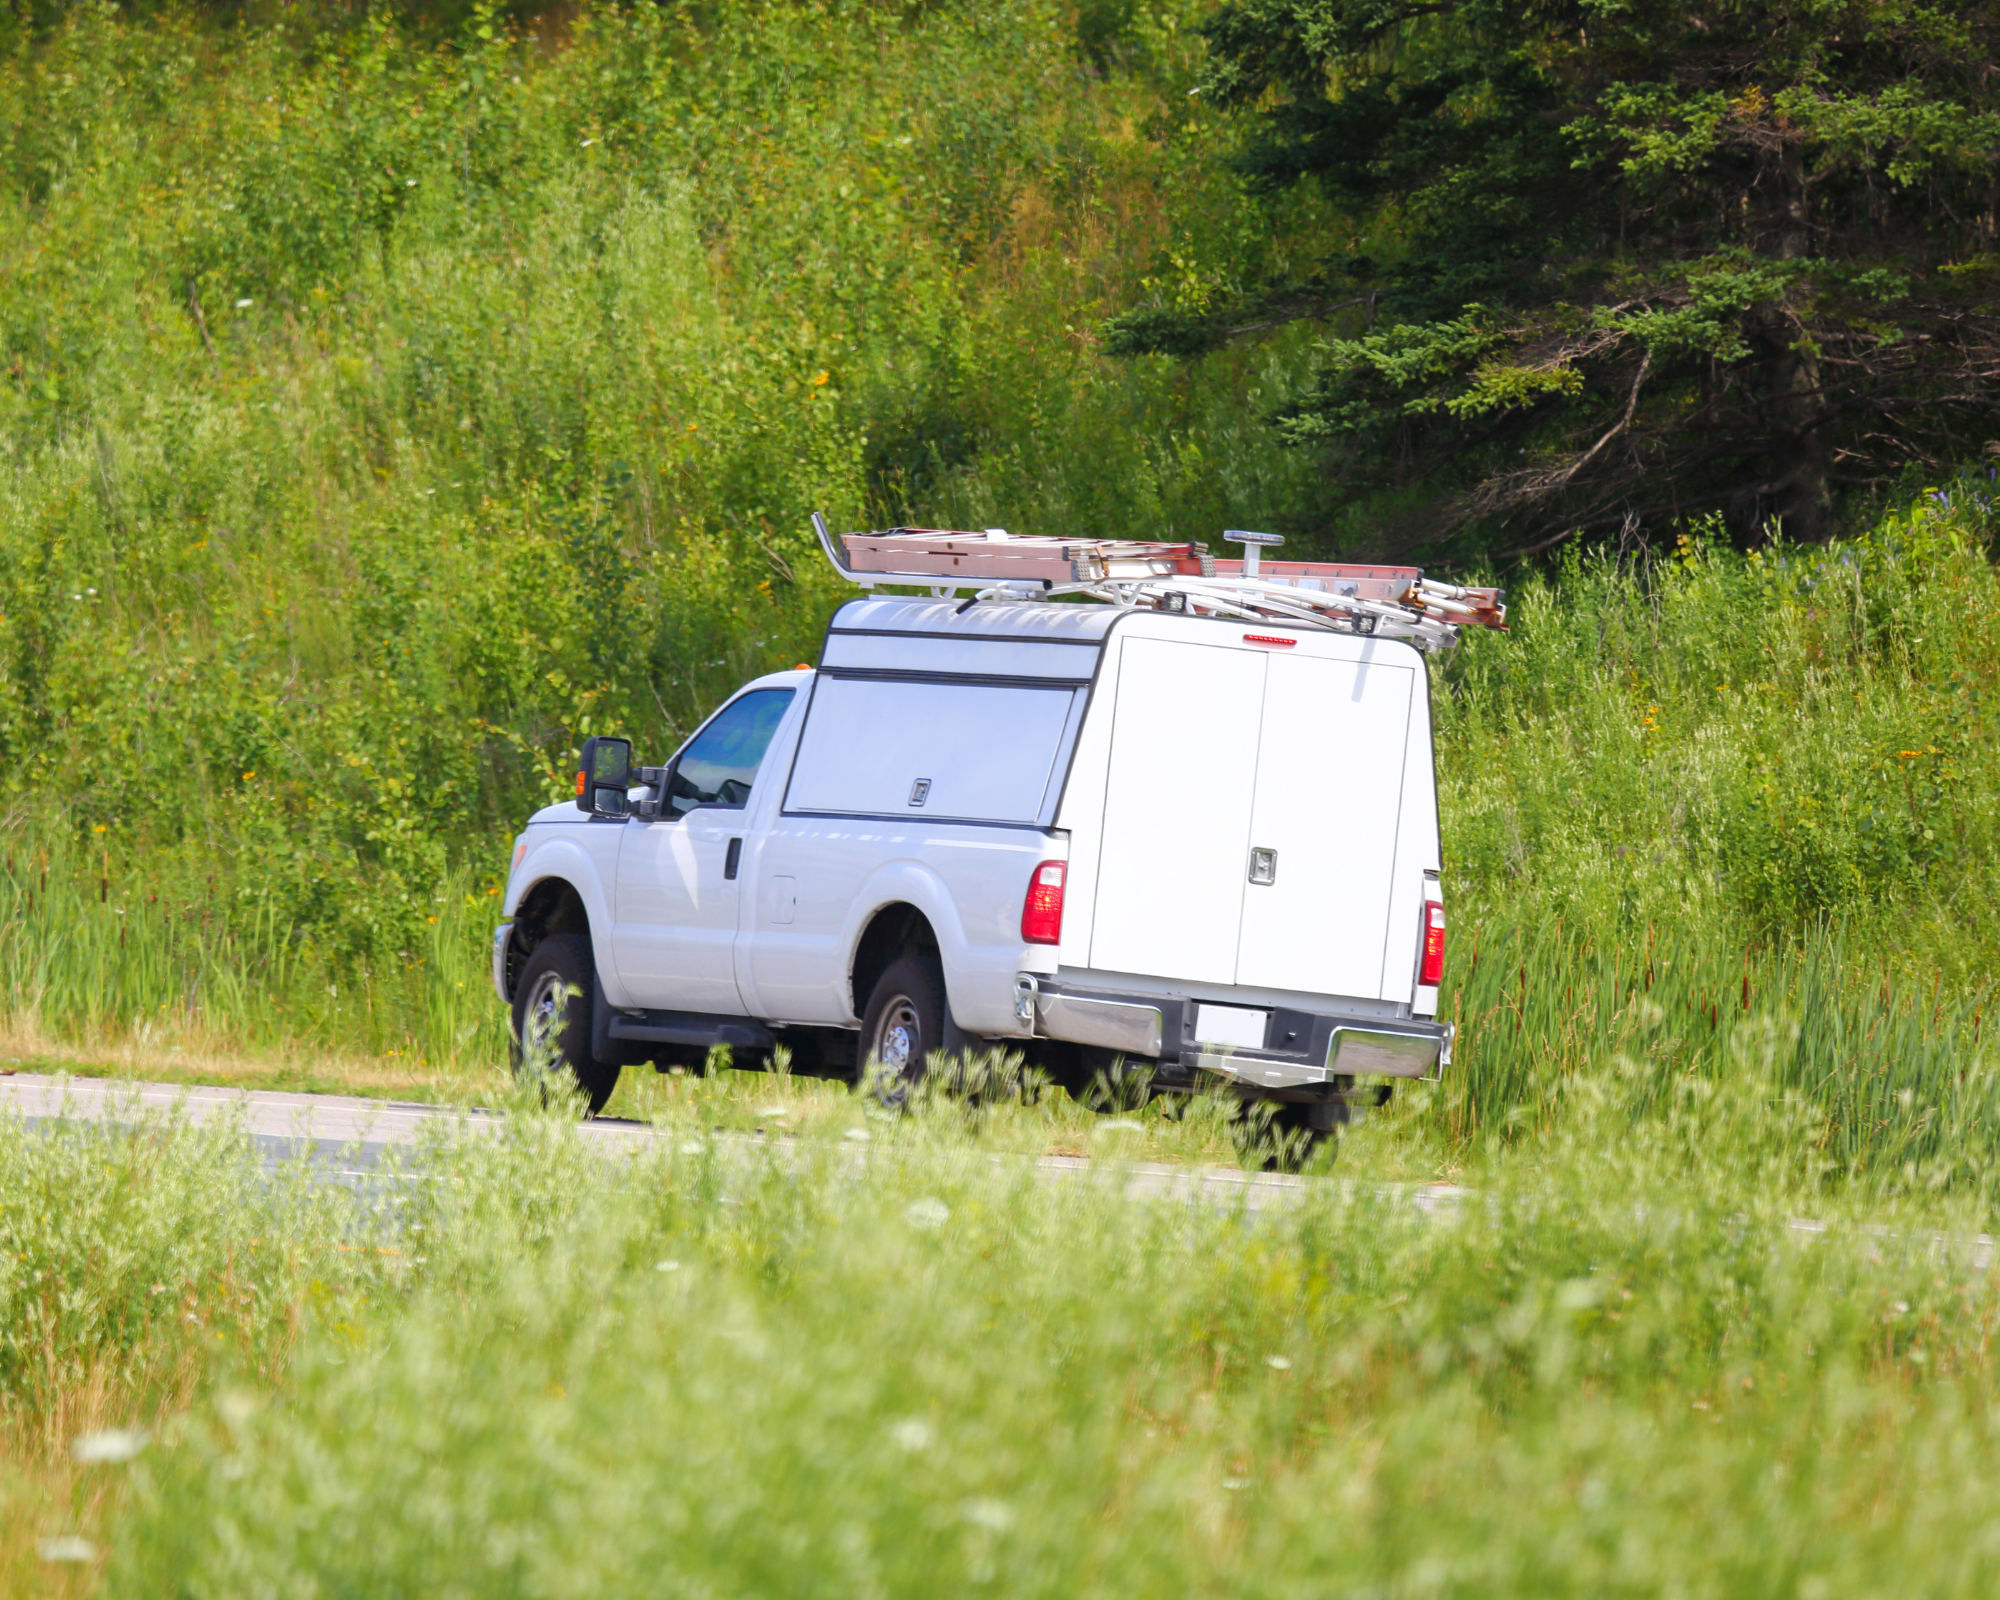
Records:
x=719, y=764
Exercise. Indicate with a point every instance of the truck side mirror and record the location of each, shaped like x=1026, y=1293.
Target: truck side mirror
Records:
x=604, y=773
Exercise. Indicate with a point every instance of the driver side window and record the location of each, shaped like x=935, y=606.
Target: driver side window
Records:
x=720, y=763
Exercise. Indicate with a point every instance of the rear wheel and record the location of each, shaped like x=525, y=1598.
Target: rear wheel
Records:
x=905, y=1021
x=552, y=1023
x=1288, y=1136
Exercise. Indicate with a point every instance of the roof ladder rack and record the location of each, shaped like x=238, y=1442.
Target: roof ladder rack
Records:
x=1183, y=578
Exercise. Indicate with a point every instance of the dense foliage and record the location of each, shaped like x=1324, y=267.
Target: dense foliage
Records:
x=379, y=416
x=1600, y=263
x=383, y=406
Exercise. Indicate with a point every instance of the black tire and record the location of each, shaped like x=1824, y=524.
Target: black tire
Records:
x=552, y=1022
x=906, y=1020
x=1285, y=1136
x=1119, y=1084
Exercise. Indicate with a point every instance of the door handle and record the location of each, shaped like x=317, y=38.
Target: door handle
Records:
x=733, y=859
x=1263, y=866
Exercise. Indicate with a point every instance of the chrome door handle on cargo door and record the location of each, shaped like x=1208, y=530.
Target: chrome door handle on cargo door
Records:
x=1263, y=866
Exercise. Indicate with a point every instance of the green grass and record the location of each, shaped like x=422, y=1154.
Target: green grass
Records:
x=1685, y=797
x=552, y=341
x=904, y=1366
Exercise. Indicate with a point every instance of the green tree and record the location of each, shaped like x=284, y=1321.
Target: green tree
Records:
x=1604, y=259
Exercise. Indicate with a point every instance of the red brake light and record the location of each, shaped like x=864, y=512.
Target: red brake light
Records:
x=1041, y=912
x=1432, y=971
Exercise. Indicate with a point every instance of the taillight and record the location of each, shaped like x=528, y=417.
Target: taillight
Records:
x=1432, y=971
x=1041, y=912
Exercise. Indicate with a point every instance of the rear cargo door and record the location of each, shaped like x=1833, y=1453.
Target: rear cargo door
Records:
x=1252, y=808
x=1177, y=810
x=1329, y=799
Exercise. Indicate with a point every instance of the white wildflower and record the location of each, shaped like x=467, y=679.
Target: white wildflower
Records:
x=927, y=1213
x=913, y=1434
x=108, y=1444
x=994, y=1514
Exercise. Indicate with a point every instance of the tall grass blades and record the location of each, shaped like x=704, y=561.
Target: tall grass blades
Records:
x=1697, y=797
x=1901, y=1074
x=917, y=1368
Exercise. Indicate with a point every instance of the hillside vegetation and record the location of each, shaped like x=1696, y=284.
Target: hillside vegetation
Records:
x=381, y=415
x=1608, y=266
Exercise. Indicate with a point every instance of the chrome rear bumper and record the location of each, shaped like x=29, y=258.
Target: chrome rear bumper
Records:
x=1357, y=1050
x=1299, y=1049
x=1128, y=1025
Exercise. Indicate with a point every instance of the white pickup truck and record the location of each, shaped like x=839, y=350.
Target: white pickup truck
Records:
x=1205, y=844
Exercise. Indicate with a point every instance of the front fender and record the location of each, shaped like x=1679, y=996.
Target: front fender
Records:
x=564, y=858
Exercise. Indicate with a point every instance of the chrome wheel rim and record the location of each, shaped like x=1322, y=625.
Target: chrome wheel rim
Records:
x=899, y=1038
x=541, y=1021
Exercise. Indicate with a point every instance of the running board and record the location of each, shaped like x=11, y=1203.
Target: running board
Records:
x=696, y=1029
x=690, y=1027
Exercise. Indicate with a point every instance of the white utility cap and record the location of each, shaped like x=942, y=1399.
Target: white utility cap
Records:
x=1251, y=543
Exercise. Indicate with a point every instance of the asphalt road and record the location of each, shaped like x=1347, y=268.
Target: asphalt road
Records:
x=343, y=1132
x=349, y=1136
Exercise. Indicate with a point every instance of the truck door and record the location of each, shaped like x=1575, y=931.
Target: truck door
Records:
x=674, y=937
x=1252, y=808
x=1330, y=775
x=1177, y=810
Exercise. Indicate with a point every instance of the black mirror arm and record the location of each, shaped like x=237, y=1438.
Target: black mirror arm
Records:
x=656, y=779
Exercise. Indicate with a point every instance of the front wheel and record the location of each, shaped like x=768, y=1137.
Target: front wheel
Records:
x=552, y=1023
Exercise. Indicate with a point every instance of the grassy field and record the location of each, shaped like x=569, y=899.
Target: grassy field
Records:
x=1713, y=788
x=381, y=412
x=899, y=1365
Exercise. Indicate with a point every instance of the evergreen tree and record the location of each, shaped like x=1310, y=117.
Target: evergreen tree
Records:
x=1624, y=258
